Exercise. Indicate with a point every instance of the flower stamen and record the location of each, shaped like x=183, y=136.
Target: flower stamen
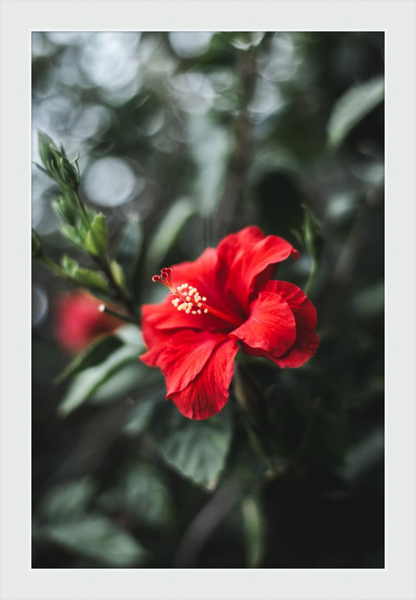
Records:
x=188, y=299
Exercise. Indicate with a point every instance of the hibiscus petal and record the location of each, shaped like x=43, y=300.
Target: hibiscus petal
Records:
x=158, y=319
x=245, y=259
x=307, y=341
x=183, y=356
x=208, y=392
x=271, y=326
x=200, y=273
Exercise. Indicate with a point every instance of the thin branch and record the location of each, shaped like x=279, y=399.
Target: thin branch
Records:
x=203, y=525
x=105, y=309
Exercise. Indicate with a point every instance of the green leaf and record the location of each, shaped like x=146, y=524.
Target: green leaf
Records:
x=89, y=278
x=67, y=499
x=144, y=494
x=369, y=302
x=129, y=251
x=57, y=166
x=46, y=146
x=69, y=264
x=311, y=238
x=94, y=354
x=355, y=104
x=73, y=236
x=312, y=235
x=97, y=237
x=97, y=538
x=84, y=277
x=197, y=449
x=36, y=244
x=142, y=413
x=65, y=209
x=126, y=383
x=167, y=232
x=254, y=530
x=90, y=380
x=364, y=456
x=118, y=274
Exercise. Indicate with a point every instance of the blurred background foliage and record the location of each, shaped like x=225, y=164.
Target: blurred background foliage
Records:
x=183, y=138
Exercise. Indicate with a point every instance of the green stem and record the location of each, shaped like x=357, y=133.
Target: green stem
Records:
x=82, y=207
x=248, y=396
x=312, y=277
x=105, y=309
x=45, y=260
x=57, y=270
x=122, y=296
x=105, y=265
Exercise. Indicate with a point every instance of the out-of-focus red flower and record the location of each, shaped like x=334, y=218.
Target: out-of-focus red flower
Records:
x=224, y=298
x=78, y=321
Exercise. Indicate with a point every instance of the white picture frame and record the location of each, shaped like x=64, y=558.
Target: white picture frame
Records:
x=18, y=19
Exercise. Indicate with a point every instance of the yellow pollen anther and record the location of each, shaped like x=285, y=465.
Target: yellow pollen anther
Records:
x=186, y=297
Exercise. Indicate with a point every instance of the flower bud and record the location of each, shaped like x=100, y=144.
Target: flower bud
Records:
x=56, y=163
x=78, y=321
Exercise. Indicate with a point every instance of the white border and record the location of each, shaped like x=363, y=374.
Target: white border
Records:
x=18, y=19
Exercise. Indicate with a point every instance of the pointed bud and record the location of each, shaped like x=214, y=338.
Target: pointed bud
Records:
x=56, y=163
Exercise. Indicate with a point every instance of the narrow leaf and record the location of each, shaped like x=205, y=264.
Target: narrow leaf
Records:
x=118, y=274
x=129, y=251
x=355, y=104
x=90, y=380
x=73, y=236
x=89, y=278
x=65, y=210
x=97, y=237
x=69, y=264
x=36, y=244
x=253, y=530
x=94, y=354
x=84, y=277
x=167, y=233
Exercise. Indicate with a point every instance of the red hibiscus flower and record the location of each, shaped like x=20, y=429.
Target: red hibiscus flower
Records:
x=78, y=321
x=223, y=300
